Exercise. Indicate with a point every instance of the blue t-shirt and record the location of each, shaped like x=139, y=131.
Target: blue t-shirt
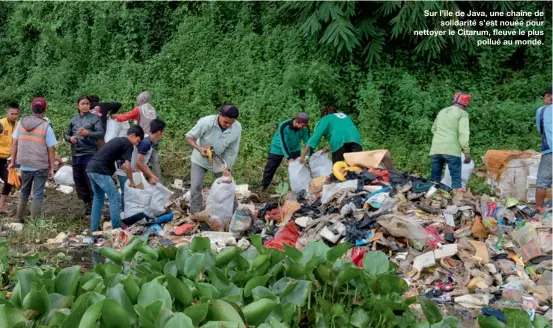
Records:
x=50, y=142
x=545, y=127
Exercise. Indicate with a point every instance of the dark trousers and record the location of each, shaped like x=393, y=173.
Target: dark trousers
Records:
x=273, y=162
x=4, y=175
x=453, y=163
x=34, y=181
x=82, y=183
x=349, y=147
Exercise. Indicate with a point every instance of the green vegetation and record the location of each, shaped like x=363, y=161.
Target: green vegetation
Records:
x=193, y=286
x=272, y=60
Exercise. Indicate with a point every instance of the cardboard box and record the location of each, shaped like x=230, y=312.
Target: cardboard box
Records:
x=316, y=185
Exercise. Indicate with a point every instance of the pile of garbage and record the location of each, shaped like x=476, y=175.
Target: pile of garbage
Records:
x=471, y=251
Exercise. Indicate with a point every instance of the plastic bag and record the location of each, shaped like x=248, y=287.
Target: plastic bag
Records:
x=137, y=200
x=466, y=171
x=399, y=226
x=64, y=176
x=123, y=127
x=13, y=178
x=112, y=130
x=241, y=221
x=220, y=203
x=160, y=195
x=289, y=235
x=330, y=190
x=299, y=176
x=320, y=164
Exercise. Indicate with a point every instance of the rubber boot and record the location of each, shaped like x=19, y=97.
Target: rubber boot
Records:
x=36, y=210
x=21, y=210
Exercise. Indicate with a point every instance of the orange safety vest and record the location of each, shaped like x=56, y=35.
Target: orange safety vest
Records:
x=6, y=138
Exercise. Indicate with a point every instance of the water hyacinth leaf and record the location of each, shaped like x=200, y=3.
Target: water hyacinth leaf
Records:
x=242, y=277
x=314, y=250
x=226, y=255
x=112, y=280
x=16, y=295
x=118, y=294
x=294, y=270
x=257, y=312
x=217, y=278
x=288, y=311
x=67, y=281
x=258, y=243
x=360, y=318
x=389, y=284
x=279, y=286
x=171, y=268
x=338, y=251
x=275, y=269
x=233, y=293
x=10, y=317
x=112, y=268
x=131, y=288
x=489, y=322
x=91, y=315
x=429, y=309
x=197, y=313
x=321, y=321
x=541, y=321
x=200, y=244
x=376, y=263
x=517, y=318
x=194, y=264
x=276, y=256
x=221, y=324
x=153, y=291
x=113, y=315
x=37, y=300
x=57, y=318
x=207, y=290
x=58, y=301
x=170, y=252
x=263, y=292
x=162, y=318
x=183, y=253
x=26, y=277
x=296, y=292
x=93, y=284
x=253, y=283
x=209, y=258
x=250, y=254
x=180, y=320
x=324, y=272
x=179, y=290
x=220, y=310
x=146, y=320
x=448, y=322
x=350, y=272
x=80, y=306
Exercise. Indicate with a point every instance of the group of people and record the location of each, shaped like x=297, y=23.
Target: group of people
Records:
x=30, y=142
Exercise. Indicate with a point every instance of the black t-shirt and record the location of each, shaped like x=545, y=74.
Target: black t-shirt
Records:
x=103, y=162
x=106, y=109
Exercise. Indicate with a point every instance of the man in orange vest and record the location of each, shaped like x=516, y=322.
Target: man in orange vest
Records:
x=33, y=149
x=7, y=127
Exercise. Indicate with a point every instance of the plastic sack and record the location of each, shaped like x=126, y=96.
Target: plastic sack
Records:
x=123, y=127
x=399, y=226
x=112, y=129
x=320, y=164
x=466, y=171
x=220, y=203
x=64, y=176
x=330, y=190
x=13, y=178
x=241, y=221
x=289, y=235
x=137, y=200
x=299, y=176
x=160, y=196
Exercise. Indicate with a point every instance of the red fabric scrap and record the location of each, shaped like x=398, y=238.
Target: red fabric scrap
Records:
x=357, y=256
x=289, y=235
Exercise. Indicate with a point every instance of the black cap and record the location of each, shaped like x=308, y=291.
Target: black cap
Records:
x=229, y=111
x=548, y=91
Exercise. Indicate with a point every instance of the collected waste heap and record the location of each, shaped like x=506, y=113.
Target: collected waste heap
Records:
x=476, y=252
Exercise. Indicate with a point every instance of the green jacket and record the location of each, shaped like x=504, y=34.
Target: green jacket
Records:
x=287, y=140
x=338, y=129
x=451, y=132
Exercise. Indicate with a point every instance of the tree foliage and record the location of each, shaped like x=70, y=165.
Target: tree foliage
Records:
x=273, y=59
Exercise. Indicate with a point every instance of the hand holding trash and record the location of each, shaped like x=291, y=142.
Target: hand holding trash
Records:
x=73, y=140
x=226, y=173
x=325, y=149
x=287, y=163
x=205, y=151
x=468, y=159
x=153, y=180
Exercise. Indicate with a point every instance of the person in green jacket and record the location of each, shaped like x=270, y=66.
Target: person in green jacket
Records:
x=339, y=130
x=451, y=139
x=286, y=144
